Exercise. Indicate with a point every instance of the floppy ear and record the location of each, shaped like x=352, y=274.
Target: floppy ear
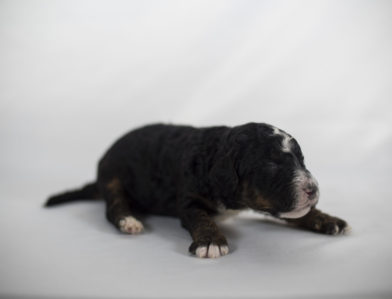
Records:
x=224, y=176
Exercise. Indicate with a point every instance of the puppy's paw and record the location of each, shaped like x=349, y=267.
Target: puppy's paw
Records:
x=130, y=225
x=211, y=251
x=213, y=248
x=320, y=222
x=330, y=225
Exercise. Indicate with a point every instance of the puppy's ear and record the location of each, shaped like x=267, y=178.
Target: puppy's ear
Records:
x=224, y=176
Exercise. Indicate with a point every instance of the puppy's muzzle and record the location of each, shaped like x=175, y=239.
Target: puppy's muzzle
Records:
x=306, y=193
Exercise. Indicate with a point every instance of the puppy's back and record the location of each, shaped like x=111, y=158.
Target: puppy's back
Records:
x=147, y=161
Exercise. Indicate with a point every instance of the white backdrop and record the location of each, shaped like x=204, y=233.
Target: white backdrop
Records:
x=75, y=75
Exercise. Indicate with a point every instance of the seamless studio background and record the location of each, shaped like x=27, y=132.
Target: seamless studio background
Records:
x=75, y=75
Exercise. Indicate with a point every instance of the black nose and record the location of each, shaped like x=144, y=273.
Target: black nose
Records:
x=310, y=190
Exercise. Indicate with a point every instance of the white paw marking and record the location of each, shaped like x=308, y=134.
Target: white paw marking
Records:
x=347, y=230
x=224, y=250
x=335, y=230
x=201, y=251
x=212, y=251
x=130, y=225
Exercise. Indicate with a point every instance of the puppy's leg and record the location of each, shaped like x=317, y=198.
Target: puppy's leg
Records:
x=118, y=210
x=208, y=241
x=319, y=222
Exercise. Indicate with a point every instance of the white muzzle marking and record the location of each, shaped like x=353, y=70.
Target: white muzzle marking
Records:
x=304, y=202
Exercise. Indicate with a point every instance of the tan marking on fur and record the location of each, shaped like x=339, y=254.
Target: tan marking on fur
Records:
x=114, y=187
x=114, y=184
x=262, y=203
x=254, y=200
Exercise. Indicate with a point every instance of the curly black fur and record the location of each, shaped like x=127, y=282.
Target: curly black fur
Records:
x=191, y=173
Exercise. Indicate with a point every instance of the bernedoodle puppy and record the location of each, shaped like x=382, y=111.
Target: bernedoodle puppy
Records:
x=197, y=173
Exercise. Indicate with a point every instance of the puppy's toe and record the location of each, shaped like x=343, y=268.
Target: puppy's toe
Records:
x=331, y=228
x=211, y=251
x=334, y=226
x=130, y=225
x=346, y=230
x=224, y=250
x=202, y=251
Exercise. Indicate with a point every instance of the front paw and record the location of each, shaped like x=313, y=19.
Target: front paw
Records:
x=322, y=223
x=331, y=226
x=212, y=248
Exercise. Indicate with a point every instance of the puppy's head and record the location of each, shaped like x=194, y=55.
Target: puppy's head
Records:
x=270, y=165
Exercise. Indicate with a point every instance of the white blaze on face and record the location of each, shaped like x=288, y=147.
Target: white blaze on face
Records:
x=301, y=182
x=286, y=146
x=303, y=203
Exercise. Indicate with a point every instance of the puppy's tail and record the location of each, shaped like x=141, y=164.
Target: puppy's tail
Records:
x=89, y=191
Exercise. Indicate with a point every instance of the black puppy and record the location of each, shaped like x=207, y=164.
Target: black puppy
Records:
x=197, y=173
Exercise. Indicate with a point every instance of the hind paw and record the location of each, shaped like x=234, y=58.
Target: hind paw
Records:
x=130, y=225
